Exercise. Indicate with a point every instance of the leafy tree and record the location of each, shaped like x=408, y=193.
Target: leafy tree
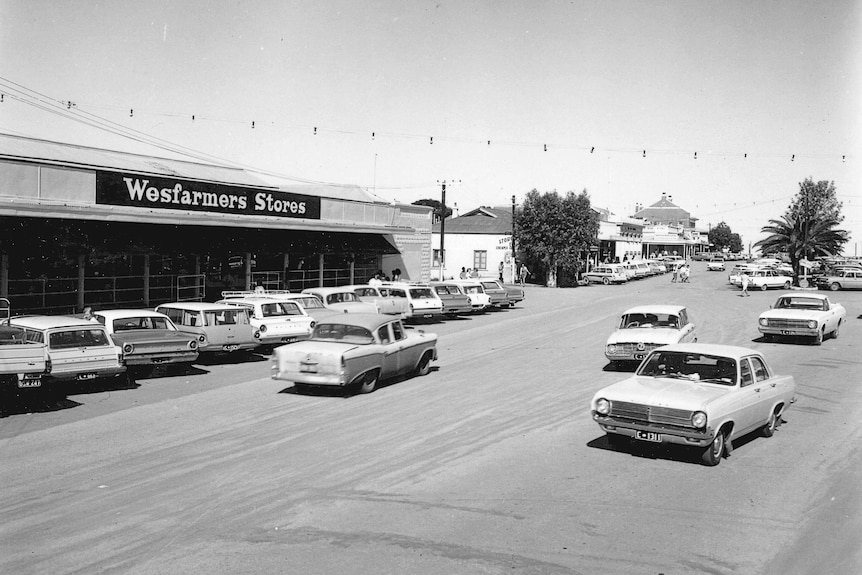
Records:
x=735, y=243
x=556, y=231
x=800, y=238
x=438, y=208
x=816, y=201
x=720, y=236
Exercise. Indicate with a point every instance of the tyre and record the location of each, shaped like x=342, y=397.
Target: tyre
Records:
x=424, y=365
x=715, y=451
x=606, y=281
x=787, y=285
x=763, y=287
x=368, y=382
x=818, y=339
x=836, y=330
x=768, y=430
x=835, y=286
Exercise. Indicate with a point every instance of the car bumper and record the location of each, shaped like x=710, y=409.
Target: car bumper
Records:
x=801, y=331
x=319, y=380
x=665, y=434
x=227, y=348
x=277, y=339
x=159, y=359
x=84, y=375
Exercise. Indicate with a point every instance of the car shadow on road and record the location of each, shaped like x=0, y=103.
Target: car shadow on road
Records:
x=41, y=403
x=346, y=391
x=623, y=366
x=230, y=358
x=789, y=339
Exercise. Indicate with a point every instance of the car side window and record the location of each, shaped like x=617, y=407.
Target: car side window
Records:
x=760, y=373
x=745, y=373
x=383, y=334
x=398, y=331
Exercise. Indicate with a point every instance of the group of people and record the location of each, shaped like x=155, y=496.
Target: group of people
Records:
x=468, y=273
x=379, y=277
x=681, y=273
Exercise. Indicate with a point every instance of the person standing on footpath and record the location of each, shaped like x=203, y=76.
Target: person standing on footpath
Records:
x=523, y=274
x=500, y=270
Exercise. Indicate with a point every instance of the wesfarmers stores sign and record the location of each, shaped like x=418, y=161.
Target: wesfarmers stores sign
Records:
x=117, y=189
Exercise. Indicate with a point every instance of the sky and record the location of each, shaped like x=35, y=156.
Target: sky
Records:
x=724, y=106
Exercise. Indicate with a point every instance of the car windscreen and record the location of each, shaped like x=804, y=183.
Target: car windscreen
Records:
x=649, y=320
x=690, y=366
x=801, y=303
x=342, y=333
x=82, y=337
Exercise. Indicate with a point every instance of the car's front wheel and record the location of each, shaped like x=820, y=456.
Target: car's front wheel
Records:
x=818, y=339
x=424, y=365
x=367, y=382
x=715, y=451
x=763, y=287
x=787, y=285
x=836, y=330
x=606, y=281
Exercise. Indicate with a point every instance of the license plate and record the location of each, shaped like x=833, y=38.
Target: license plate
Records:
x=648, y=436
x=288, y=339
x=29, y=383
x=308, y=368
x=83, y=376
x=787, y=332
x=230, y=347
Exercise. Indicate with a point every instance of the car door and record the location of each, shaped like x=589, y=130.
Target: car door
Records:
x=853, y=280
x=687, y=327
x=763, y=393
x=408, y=352
x=391, y=351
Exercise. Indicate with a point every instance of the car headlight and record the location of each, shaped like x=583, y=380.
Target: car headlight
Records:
x=603, y=406
x=612, y=348
x=764, y=322
x=812, y=324
x=698, y=419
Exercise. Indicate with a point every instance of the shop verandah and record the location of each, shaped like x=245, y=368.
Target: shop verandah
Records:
x=61, y=266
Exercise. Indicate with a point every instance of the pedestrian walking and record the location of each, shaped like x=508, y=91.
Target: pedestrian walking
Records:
x=684, y=273
x=500, y=270
x=523, y=274
x=675, y=275
x=745, y=280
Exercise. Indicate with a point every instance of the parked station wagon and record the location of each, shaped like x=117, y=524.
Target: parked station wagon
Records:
x=698, y=395
x=606, y=274
x=355, y=351
x=643, y=328
x=454, y=302
x=148, y=338
x=79, y=349
x=274, y=321
x=341, y=299
x=479, y=300
x=423, y=302
x=220, y=328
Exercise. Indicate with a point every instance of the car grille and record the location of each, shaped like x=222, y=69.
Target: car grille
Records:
x=629, y=348
x=651, y=414
x=787, y=323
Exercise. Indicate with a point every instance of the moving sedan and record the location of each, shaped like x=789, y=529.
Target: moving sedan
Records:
x=697, y=395
x=355, y=351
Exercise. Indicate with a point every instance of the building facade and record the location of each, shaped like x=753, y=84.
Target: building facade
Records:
x=85, y=226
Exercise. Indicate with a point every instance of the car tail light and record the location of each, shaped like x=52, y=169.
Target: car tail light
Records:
x=263, y=328
x=193, y=344
x=202, y=338
x=128, y=348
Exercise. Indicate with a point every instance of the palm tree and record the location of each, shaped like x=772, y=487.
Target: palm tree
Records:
x=802, y=239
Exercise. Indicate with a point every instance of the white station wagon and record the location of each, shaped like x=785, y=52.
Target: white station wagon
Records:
x=79, y=349
x=274, y=321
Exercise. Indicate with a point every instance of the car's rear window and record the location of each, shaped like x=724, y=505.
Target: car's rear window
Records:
x=226, y=317
x=421, y=292
x=342, y=333
x=129, y=323
x=83, y=337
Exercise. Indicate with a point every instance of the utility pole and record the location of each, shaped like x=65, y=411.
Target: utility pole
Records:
x=443, y=227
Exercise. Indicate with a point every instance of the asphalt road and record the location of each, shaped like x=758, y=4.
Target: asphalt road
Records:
x=489, y=464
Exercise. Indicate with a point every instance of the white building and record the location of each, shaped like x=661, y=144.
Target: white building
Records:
x=479, y=240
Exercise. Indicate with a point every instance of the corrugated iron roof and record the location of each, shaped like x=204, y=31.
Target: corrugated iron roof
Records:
x=482, y=220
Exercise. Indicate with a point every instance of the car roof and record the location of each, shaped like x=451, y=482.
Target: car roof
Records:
x=808, y=294
x=327, y=290
x=52, y=321
x=729, y=351
x=655, y=308
x=370, y=321
x=198, y=306
x=249, y=299
x=117, y=313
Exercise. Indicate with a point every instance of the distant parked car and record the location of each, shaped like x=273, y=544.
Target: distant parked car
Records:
x=148, y=338
x=274, y=321
x=79, y=349
x=479, y=300
x=698, y=395
x=802, y=314
x=220, y=328
x=769, y=278
x=454, y=302
x=383, y=298
x=843, y=278
x=422, y=301
x=606, y=274
x=513, y=292
x=499, y=296
x=341, y=299
x=643, y=328
x=355, y=351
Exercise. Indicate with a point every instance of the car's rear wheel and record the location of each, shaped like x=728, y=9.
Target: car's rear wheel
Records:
x=763, y=287
x=835, y=286
x=367, y=382
x=606, y=281
x=768, y=430
x=715, y=451
x=787, y=285
x=424, y=365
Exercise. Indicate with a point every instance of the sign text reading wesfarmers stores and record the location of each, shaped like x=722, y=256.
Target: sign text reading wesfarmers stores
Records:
x=145, y=192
